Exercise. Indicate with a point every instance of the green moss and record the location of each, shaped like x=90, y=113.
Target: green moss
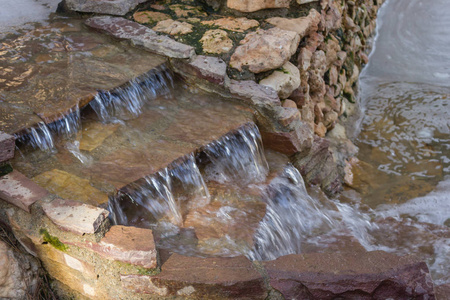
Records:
x=5, y=169
x=52, y=240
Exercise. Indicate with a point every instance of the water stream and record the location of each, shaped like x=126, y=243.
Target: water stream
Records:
x=159, y=156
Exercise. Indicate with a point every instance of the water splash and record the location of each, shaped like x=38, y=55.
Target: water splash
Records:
x=292, y=215
x=237, y=158
x=127, y=102
x=166, y=196
x=45, y=135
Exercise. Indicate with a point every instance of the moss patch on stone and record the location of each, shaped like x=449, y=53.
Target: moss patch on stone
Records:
x=5, y=169
x=52, y=240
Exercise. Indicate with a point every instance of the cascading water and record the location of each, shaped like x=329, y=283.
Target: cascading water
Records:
x=43, y=136
x=144, y=203
x=291, y=216
x=237, y=158
x=127, y=102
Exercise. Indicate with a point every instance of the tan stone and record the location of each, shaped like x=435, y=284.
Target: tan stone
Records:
x=216, y=41
x=333, y=75
x=173, y=27
x=283, y=81
x=187, y=11
x=320, y=129
x=69, y=186
x=289, y=103
x=303, y=26
x=254, y=5
x=233, y=24
x=94, y=134
x=74, y=216
x=265, y=50
x=148, y=16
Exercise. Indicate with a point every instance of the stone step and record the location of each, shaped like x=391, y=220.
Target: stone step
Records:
x=61, y=67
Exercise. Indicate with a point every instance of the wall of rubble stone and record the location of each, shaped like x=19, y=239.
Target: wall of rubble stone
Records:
x=296, y=62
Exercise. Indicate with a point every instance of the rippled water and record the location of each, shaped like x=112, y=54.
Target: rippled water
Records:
x=404, y=171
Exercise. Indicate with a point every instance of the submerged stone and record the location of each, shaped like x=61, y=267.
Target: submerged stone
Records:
x=94, y=134
x=69, y=186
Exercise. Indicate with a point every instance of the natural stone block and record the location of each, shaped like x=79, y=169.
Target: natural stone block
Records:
x=109, y=7
x=74, y=216
x=216, y=41
x=141, y=284
x=265, y=50
x=291, y=142
x=254, y=92
x=7, y=146
x=128, y=244
x=254, y=5
x=233, y=24
x=212, y=69
x=284, y=81
x=20, y=191
x=370, y=275
x=303, y=26
x=173, y=27
x=211, y=278
x=149, y=16
x=141, y=36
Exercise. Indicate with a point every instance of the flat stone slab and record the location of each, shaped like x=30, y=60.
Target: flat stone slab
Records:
x=130, y=245
x=210, y=68
x=53, y=69
x=20, y=191
x=75, y=216
x=205, y=278
x=369, y=275
x=141, y=36
x=109, y=7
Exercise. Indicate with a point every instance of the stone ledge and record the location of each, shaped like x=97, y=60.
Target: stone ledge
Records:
x=234, y=278
x=20, y=191
x=128, y=244
x=141, y=36
x=110, y=7
x=370, y=275
x=74, y=216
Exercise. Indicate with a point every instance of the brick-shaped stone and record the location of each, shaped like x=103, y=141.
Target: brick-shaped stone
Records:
x=74, y=216
x=130, y=245
x=110, y=7
x=352, y=275
x=211, y=278
x=7, y=146
x=210, y=68
x=20, y=191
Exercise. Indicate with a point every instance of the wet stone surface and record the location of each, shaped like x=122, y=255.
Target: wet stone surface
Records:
x=43, y=71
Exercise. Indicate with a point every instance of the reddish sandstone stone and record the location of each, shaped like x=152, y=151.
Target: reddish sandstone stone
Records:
x=20, y=191
x=370, y=275
x=289, y=142
x=211, y=278
x=75, y=216
x=209, y=68
x=128, y=244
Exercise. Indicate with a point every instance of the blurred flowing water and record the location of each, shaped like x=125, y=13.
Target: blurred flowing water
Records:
x=404, y=143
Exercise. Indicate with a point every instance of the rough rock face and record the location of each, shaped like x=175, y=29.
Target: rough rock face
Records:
x=17, y=274
x=303, y=26
x=265, y=50
x=110, y=7
x=254, y=5
x=284, y=81
x=149, y=16
x=173, y=27
x=371, y=275
x=233, y=24
x=216, y=41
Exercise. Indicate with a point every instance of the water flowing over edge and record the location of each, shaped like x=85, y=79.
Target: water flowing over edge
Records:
x=110, y=106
